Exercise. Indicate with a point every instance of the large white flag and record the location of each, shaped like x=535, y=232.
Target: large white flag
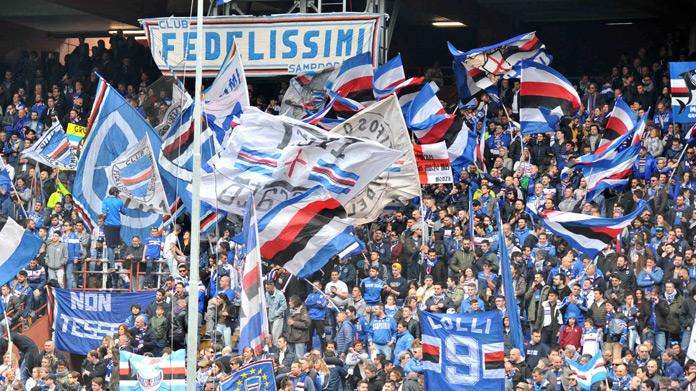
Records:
x=135, y=174
x=691, y=352
x=383, y=123
x=277, y=151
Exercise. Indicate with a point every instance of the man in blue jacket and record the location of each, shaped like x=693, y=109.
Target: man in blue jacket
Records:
x=404, y=340
x=372, y=288
x=382, y=332
x=72, y=241
x=112, y=208
x=316, y=304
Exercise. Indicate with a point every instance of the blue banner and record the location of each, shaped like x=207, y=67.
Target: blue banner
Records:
x=463, y=351
x=683, y=90
x=257, y=376
x=81, y=319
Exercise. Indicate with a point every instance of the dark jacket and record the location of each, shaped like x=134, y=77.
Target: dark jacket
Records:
x=667, y=315
x=298, y=331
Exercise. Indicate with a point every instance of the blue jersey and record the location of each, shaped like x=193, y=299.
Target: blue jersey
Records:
x=153, y=247
x=372, y=290
x=113, y=208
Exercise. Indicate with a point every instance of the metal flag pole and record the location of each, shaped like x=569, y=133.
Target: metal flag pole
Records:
x=192, y=335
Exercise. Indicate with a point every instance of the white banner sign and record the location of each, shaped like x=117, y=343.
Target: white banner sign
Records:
x=285, y=44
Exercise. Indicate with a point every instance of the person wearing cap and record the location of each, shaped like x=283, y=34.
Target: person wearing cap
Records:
x=112, y=208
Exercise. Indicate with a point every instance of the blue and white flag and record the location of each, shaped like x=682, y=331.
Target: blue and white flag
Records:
x=480, y=68
x=511, y=305
x=620, y=119
x=682, y=82
x=81, y=319
x=303, y=233
x=463, y=351
x=228, y=95
x=141, y=373
x=53, y=149
x=462, y=150
x=136, y=175
x=610, y=173
x=257, y=376
x=114, y=126
x=388, y=76
x=5, y=179
x=587, y=234
x=17, y=248
x=594, y=371
x=275, y=151
x=253, y=319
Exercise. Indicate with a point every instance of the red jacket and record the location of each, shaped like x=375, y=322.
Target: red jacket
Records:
x=570, y=336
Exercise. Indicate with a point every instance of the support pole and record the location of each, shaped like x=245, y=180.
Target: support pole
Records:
x=192, y=335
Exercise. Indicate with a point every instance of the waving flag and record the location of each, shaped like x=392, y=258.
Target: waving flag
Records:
x=545, y=96
x=480, y=68
x=306, y=93
x=179, y=100
x=353, y=81
x=426, y=116
x=383, y=123
x=253, y=318
x=594, y=371
x=461, y=147
x=228, y=94
x=304, y=232
x=257, y=376
x=691, y=135
x=114, y=126
x=17, y=248
x=136, y=175
x=138, y=372
x=588, y=234
x=621, y=121
x=511, y=305
x=388, y=76
x=53, y=149
x=296, y=156
x=610, y=173
x=634, y=136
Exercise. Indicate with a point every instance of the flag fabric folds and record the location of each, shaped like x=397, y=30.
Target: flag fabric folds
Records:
x=427, y=117
x=277, y=151
x=228, y=95
x=630, y=138
x=594, y=371
x=545, y=96
x=136, y=175
x=253, y=318
x=433, y=163
x=461, y=147
x=383, y=122
x=114, y=126
x=387, y=76
x=511, y=306
x=138, y=372
x=691, y=135
x=5, y=179
x=53, y=149
x=586, y=233
x=257, y=376
x=304, y=232
x=17, y=248
x=480, y=68
x=609, y=173
x=306, y=93
x=621, y=121
x=353, y=83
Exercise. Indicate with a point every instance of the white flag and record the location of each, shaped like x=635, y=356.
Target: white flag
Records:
x=282, y=152
x=433, y=163
x=383, y=123
x=691, y=352
x=135, y=174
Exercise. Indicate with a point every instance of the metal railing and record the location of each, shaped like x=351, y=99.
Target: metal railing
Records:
x=135, y=275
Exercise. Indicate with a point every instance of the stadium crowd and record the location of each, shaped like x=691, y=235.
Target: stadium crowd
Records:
x=356, y=326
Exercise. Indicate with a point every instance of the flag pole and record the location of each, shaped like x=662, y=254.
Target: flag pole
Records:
x=674, y=170
x=192, y=335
